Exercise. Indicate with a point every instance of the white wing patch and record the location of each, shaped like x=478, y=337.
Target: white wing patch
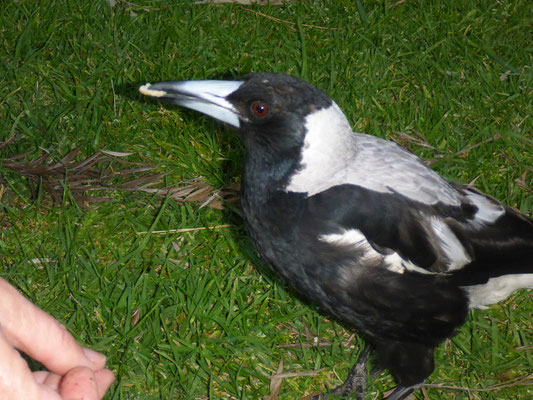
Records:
x=449, y=244
x=497, y=289
x=356, y=239
x=334, y=155
x=488, y=210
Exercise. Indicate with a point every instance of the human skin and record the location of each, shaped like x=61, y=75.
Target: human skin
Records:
x=73, y=372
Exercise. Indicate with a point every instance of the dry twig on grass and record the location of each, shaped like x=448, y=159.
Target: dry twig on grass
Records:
x=108, y=171
x=520, y=381
x=245, y=2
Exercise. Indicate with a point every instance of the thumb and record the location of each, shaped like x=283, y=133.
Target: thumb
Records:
x=79, y=384
x=40, y=336
x=82, y=383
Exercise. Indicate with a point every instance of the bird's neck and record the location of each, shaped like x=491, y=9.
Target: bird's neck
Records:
x=264, y=173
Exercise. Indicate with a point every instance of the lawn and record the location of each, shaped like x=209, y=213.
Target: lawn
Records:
x=195, y=314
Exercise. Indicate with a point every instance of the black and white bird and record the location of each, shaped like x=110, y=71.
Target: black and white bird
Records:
x=358, y=225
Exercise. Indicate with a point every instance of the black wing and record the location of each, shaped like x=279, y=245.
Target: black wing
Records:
x=475, y=240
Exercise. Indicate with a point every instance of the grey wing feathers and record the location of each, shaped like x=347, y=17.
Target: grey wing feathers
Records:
x=385, y=167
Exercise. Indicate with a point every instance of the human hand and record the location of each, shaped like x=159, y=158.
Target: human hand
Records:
x=74, y=372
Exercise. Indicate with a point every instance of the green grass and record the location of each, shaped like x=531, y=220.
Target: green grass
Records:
x=197, y=315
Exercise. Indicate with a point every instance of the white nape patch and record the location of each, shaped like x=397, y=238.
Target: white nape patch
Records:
x=488, y=210
x=329, y=146
x=334, y=155
x=450, y=244
x=145, y=89
x=497, y=289
x=356, y=239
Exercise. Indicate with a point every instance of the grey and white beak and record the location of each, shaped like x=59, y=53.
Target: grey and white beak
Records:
x=207, y=97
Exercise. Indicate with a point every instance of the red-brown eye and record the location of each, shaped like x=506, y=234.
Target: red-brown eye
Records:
x=259, y=109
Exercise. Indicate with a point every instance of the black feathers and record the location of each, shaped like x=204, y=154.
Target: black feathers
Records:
x=358, y=225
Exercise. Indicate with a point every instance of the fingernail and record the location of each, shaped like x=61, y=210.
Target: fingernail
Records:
x=94, y=356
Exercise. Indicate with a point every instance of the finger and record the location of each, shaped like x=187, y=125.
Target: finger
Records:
x=52, y=381
x=79, y=384
x=48, y=381
x=104, y=379
x=16, y=379
x=40, y=376
x=40, y=336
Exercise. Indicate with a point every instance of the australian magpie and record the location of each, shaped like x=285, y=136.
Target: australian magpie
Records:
x=358, y=225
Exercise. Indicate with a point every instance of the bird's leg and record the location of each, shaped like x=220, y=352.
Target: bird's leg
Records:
x=357, y=378
x=401, y=392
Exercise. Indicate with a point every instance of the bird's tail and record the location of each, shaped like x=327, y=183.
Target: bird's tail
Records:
x=502, y=259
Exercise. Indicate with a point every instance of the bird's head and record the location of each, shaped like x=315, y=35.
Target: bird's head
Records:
x=270, y=111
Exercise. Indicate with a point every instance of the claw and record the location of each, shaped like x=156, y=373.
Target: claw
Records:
x=401, y=392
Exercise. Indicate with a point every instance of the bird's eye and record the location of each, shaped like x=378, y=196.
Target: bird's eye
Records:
x=259, y=109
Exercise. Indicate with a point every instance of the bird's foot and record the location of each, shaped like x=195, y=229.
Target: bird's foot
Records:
x=401, y=392
x=357, y=378
x=355, y=383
